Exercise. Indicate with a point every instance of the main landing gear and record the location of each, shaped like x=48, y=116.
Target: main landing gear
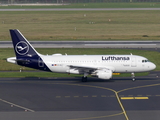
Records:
x=84, y=78
x=133, y=76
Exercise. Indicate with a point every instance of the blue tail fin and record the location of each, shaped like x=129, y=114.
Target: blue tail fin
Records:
x=26, y=55
x=21, y=46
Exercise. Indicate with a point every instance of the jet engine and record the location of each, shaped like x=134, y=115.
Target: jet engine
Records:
x=104, y=74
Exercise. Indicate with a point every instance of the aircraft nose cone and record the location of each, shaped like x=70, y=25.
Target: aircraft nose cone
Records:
x=153, y=66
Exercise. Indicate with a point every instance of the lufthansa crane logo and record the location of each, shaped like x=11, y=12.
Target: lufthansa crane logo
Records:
x=22, y=48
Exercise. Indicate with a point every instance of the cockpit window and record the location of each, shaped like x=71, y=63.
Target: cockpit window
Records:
x=143, y=61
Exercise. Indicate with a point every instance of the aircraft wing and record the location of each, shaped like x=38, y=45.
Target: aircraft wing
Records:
x=85, y=68
x=82, y=67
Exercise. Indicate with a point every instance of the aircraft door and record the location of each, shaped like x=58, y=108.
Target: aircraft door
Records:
x=133, y=62
x=95, y=62
x=40, y=62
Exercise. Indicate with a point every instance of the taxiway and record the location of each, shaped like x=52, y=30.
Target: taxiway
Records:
x=70, y=99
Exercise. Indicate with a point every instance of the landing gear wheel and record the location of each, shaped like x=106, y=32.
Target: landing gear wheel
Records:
x=133, y=77
x=84, y=79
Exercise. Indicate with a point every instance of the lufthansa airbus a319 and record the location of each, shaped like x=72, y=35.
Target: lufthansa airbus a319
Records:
x=101, y=66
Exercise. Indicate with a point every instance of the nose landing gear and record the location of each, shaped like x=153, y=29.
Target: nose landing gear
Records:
x=133, y=76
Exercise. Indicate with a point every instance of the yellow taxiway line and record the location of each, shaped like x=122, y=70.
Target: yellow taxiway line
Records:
x=131, y=98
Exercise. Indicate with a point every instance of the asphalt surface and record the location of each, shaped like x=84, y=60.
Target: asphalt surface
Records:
x=88, y=44
x=71, y=99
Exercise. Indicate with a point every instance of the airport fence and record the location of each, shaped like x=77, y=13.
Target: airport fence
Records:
x=69, y=1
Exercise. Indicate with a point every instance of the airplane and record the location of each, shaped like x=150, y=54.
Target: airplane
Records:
x=101, y=66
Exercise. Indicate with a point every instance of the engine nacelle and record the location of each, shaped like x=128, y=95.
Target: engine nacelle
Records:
x=104, y=74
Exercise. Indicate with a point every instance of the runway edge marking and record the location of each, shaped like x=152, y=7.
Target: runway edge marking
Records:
x=26, y=109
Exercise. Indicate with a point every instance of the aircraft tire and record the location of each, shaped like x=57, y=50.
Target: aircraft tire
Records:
x=84, y=79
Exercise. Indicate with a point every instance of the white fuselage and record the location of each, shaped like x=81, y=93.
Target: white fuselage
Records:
x=116, y=63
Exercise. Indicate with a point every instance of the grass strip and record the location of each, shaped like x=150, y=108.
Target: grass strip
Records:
x=81, y=25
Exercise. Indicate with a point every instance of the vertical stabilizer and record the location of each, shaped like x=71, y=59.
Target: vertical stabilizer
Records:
x=26, y=55
x=21, y=46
